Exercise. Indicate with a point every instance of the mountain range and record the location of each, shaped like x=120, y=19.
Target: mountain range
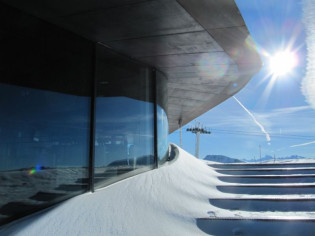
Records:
x=221, y=159
x=267, y=158
x=270, y=158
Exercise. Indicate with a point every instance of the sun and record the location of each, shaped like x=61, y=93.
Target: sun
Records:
x=282, y=63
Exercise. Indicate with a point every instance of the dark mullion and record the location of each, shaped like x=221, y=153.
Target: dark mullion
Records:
x=155, y=118
x=92, y=123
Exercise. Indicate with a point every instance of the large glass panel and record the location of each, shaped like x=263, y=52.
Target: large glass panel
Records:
x=124, y=138
x=44, y=114
x=162, y=122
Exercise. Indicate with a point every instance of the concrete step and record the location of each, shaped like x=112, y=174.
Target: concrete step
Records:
x=222, y=226
x=266, y=179
x=267, y=171
x=268, y=189
x=261, y=165
x=265, y=204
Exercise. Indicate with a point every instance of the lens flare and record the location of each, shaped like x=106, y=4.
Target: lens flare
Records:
x=35, y=170
x=32, y=171
x=282, y=63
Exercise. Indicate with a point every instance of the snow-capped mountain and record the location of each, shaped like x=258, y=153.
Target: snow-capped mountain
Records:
x=268, y=158
x=221, y=159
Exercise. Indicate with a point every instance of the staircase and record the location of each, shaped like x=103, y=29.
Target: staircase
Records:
x=263, y=199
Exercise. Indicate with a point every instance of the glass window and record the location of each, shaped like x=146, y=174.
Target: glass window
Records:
x=162, y=140
x=44, y=115
x=124, y=138
x=162, y=122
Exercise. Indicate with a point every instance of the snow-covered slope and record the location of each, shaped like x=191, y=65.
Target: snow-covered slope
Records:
x=187, y=197
x=165, y=201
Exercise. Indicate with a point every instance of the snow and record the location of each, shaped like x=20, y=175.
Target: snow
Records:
x=166, y=201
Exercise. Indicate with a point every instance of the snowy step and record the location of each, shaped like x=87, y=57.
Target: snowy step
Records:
x=256, y=226
x=269, y=189
x=265, y=204
x=242, y=179
x=261, y=165
x=267, y=171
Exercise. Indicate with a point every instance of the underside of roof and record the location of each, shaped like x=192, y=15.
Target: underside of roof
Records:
x=202, y=46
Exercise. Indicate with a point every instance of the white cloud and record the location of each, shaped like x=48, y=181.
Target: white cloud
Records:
x=289, y=110
x=308, y=82
x=254, y=119
x=303, y=144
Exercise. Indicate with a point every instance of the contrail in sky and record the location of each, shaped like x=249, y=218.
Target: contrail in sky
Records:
x=303, y=144
x=254, y=119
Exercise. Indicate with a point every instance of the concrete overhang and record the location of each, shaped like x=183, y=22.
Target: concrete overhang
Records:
x=202, y=46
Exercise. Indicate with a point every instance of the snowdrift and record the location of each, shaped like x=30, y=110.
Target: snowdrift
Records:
x=165, y=201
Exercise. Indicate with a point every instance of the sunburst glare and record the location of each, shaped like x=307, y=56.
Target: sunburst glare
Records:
x=279, y=66
x=282, y=63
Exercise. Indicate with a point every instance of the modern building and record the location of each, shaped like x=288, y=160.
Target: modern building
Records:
x=90, y=90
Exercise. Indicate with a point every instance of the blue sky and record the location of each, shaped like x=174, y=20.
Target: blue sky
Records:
x=278, y=105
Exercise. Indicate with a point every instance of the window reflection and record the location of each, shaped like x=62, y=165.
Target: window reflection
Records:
x=44, y=118
x=43, y=148
x=124, y=139
x=162, y=122
x=45, y=103
x=162, y=140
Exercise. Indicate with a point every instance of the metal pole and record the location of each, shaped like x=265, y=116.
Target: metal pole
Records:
x=197, y=144
x=156, y=158
x=198, y=129
x=180, y=133
x=92, y=122
x=180, y=141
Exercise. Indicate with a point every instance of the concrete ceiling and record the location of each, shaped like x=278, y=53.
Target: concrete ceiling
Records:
x=202, y=46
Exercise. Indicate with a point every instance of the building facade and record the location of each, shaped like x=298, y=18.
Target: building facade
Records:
x=90, y=91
